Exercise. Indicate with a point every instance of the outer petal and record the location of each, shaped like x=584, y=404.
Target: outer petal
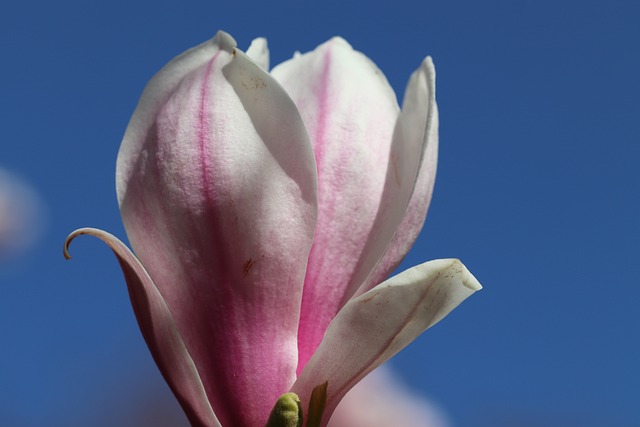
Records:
x=381, y=400
x=350, y=111
x=217, y=189
x=159, y=331
x=376, y=325
x=417, y=131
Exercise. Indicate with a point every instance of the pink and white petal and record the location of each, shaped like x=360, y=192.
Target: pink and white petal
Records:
x=381, y=400
x=418, y=128
x=373, y=327
x=154, y=97
x=159, y=331
x=220, y=205
x=350, y=112
x=259, y=52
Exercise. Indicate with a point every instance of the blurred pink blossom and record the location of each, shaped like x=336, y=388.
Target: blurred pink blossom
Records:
x=21, y=215
x=381, y=400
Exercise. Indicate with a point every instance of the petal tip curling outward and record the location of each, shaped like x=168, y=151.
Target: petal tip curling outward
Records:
x=469, y=280
x=360, y=338
x=225, y=41
x=159, y=331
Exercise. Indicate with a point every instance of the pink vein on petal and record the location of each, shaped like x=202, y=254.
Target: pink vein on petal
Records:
x=322, y=94
x=203, y=129
x=204, y=133
x=320, y=145
x=330, y=178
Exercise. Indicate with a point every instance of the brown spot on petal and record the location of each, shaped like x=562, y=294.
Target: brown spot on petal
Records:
x=247, y=267
x=368, y=299
x=254, y=83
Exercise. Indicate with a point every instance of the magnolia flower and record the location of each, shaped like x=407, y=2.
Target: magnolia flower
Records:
x=266, y=212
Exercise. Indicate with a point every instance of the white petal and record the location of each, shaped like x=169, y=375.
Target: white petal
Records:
x=376, y=325
x=415, y=154
x=259, y=52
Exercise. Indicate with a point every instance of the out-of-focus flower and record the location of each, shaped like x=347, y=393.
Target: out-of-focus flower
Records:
x=266, y=212
x=381, y=400
x=21, y=217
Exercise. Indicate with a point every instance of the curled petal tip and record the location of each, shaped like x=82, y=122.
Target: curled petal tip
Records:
x=466, y=277
x=471, y=282
x=459, y=272
x=67, y=242
x=65, y=250
x=73, y=235
x=225, y=41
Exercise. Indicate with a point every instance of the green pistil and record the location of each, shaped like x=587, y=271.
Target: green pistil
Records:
x=287, y=412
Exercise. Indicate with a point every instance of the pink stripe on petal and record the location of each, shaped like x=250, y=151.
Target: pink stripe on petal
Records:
x=203, y=125
x=350, y=111
x=218, y=196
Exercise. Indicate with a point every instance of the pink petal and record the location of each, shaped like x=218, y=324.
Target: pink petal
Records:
x=217, y=189
x=417, y=131
x=159, y=331
x=376, y=325
x=350, y=111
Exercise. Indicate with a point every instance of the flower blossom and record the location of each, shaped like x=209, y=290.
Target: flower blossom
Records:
x=22, y=216
x=381, y=400
x=265, y=211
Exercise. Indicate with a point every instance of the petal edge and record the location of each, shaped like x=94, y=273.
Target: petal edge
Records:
x=159, y=331
x=417, y=131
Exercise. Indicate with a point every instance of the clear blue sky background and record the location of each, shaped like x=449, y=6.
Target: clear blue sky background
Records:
x=537, y=192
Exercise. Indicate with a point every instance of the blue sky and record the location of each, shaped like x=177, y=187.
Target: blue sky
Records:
x=537, y=192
